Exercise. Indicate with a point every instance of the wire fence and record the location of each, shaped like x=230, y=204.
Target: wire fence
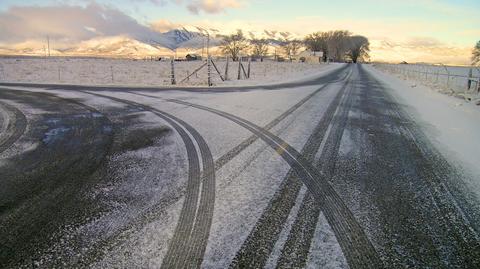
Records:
x=454, y=80
x=95, y=71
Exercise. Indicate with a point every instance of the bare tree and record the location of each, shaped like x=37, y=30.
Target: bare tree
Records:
x=295, y=46
x=290, y=45
x=259, y=47
x=359, y=48
x=317, y=42
x=234, y=44
x=476, y=54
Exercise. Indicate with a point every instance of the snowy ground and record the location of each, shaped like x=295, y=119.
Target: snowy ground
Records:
x=124, y=72
x=343, y=166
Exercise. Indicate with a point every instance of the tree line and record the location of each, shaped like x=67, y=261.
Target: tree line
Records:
x=338, y=46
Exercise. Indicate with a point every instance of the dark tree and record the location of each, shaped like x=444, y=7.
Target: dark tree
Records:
x=317, y=42
x=358, y=48
x=338, y=44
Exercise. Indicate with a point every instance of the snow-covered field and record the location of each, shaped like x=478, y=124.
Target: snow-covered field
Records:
x=125, y=72
x=451, y=80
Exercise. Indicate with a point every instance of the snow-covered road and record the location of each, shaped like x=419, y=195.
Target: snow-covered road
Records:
x=334, y=171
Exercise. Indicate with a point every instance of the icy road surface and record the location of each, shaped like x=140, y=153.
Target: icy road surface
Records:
x=340, y=170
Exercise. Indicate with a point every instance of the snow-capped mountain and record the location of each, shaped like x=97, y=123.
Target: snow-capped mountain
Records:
x=155, y=44
x=179, y=36
x=112, y=46
x=182, y=38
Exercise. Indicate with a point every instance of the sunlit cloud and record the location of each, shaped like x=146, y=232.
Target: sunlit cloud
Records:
x=67, y=23
x=419, y=49
x=164, y=25
x=213, y=6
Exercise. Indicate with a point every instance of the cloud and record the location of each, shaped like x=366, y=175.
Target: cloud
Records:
x=164, y=25
x=155, y=2
x=423, y=42
x=68, y=23
x=419, y=49
x=213, y=6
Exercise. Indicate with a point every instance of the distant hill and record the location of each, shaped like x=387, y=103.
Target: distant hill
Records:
x=166, y=43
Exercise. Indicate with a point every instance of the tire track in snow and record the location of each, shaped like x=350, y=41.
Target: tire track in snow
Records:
x=357, y=248
x=220, y=162
x=259, y=244
x=16, y=124
x=330, y=78
x=224, y=159
x=232, y=153
x=295, y=252
x=191, y=233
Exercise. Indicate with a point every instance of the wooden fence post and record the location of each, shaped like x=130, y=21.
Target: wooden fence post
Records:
x=172, y=72
x=209, y=71
x=239, y=67
x=470, y=78
x=226, y=69
x=248, y=68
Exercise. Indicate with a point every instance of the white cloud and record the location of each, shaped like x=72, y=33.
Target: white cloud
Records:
x=213, y=6
x=164, y=25
x=419, y=49
x=68, y=23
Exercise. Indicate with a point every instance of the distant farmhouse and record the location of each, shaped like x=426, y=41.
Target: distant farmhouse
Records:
x=193, y=57
x=309, y=56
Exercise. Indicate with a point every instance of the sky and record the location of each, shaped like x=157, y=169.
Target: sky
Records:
x=435, y=31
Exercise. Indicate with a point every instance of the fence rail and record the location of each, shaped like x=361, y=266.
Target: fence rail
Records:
x=454, y=80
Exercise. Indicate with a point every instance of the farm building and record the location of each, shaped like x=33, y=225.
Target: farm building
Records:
x=193, y=57
x=309, y=56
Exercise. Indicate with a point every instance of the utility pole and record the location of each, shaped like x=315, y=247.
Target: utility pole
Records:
x=48, y=45
x=209, y=63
